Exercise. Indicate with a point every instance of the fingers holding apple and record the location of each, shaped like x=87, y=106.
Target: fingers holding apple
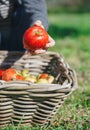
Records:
x=50, y=43
x=38, y=23
x=36, y=39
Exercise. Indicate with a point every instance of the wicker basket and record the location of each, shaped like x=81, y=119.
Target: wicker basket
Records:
x=27, y=103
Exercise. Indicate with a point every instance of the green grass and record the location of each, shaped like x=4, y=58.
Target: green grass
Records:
x=62, y=25
x=72, y=35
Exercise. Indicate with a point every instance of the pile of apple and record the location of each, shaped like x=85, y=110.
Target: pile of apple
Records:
x=24, y=75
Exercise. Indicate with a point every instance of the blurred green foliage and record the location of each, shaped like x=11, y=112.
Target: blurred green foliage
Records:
x=68, y=6
x=72, y=36
x=63, y=25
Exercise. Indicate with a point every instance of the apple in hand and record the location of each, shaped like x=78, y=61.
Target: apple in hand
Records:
x=35, y=38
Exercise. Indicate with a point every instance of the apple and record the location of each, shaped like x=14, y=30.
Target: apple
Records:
x=25, y=73
x=50, y=78
x=46, y=76
x=31, y=78
x=43, y=76
x=19, y=77
x=35, y=37
x=42, y=81
x=9, y=74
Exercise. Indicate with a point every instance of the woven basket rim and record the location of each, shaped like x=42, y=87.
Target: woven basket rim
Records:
x=55, y=86
x=32, y=85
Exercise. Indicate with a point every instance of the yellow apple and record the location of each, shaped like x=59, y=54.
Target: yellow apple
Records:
x=31, y=78
x=25, y=73
x=42, y=81
x=50, y=79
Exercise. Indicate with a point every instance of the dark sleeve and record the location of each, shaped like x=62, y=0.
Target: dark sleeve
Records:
x=27, y=12
x=35, y=10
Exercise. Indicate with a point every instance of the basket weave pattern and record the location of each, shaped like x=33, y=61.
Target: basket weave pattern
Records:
x=29, y=103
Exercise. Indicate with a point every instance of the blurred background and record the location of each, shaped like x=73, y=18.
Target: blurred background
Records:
x=69, y=17
x=70, y=27
x=79, y=6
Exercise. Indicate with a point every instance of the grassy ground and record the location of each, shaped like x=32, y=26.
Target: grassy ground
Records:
x=72, y=35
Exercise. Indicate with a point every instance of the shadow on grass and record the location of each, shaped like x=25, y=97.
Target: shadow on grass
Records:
x=57, y=31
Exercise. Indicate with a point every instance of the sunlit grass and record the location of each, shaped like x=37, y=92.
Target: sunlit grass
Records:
x=62, y=25
x=75, y=47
